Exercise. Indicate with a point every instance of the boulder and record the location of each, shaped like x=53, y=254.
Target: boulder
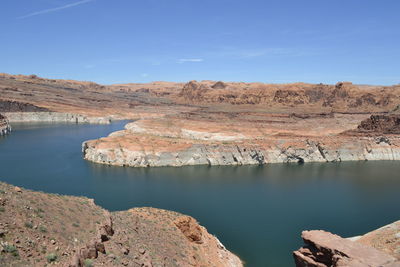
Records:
x=324, y=249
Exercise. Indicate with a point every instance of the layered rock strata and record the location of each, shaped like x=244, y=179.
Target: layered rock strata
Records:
x=136, y=155
x=5, y=127
x=54, y=117
x=141, y=146
x=323, y=249
x=39, y=229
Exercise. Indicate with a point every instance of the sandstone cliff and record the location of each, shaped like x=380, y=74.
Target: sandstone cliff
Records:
x=38, y=229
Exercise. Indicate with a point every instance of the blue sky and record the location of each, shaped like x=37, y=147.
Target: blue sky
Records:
x=116, y=41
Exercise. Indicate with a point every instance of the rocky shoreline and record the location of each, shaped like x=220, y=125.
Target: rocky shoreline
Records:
x=5, y=127
x=138, y=147
x=48, y=117
x=16, y=117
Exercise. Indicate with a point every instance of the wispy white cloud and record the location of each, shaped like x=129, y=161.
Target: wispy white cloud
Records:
x=50, y=10
x=253, y=53
x=144, y=75
x=184, y=60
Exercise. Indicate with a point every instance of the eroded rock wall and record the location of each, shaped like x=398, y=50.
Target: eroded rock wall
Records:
x=136, y=154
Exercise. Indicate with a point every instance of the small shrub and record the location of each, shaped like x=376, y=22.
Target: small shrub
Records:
x=52, y=257
x=88, y=263
x=75, y=225
x=29, y=225
x=2, y=209
x=12, y=250
x=39, y=210
x=42, y=229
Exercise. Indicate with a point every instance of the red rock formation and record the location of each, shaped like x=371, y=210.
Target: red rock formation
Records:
x=189, y=228
x=193, y=90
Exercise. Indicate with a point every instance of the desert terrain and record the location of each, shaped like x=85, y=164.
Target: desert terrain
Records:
x=216, y=123
x=38, y=229
x=193, y=123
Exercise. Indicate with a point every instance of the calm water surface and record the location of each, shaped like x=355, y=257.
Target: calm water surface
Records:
x=257, y=212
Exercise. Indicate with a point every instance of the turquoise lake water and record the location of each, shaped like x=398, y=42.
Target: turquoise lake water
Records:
x=258, y=212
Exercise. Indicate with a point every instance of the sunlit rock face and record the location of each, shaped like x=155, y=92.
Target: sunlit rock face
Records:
x=147, y=143
x=377, y=248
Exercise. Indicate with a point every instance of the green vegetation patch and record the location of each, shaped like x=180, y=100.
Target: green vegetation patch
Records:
x=12, y=250
x=52, y=257
x=42, y=229
x=29, y=225
x=88, y=263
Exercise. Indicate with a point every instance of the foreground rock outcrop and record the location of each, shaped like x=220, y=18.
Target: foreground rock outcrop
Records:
x=323, y=249
x=5, y=127
x=37, y=229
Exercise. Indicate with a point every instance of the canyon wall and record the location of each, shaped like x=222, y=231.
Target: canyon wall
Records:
x=54, y=117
